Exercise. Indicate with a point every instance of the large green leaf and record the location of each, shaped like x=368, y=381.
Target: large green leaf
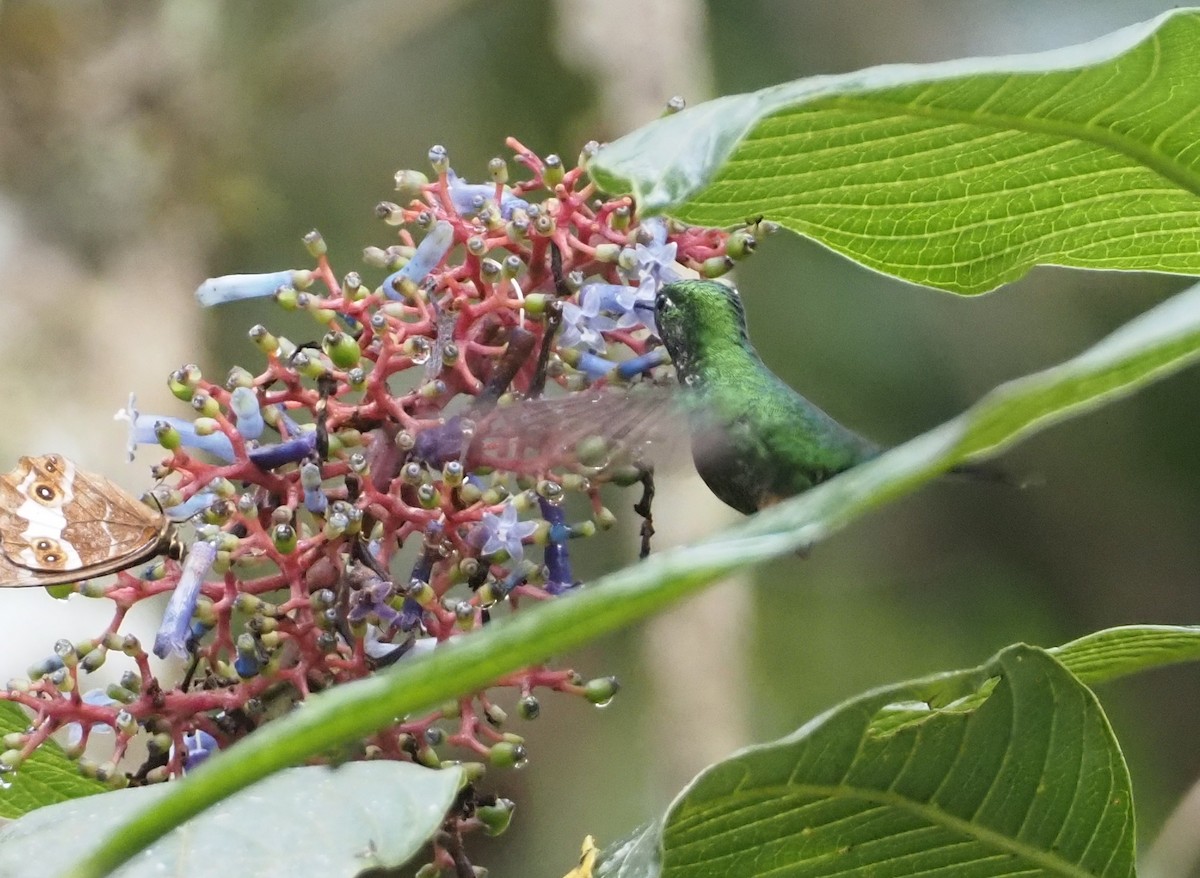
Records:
x=1164, y=339
x=311, y=821
x=1023, y=776
x=45, y=778
x=959, y=175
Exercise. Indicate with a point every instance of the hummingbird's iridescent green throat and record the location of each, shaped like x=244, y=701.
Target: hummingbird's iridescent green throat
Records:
x=754, y=440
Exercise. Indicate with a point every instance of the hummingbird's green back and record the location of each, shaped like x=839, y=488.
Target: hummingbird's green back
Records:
x=754, y=439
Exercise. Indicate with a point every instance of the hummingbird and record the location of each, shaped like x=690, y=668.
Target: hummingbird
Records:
x=755, y=440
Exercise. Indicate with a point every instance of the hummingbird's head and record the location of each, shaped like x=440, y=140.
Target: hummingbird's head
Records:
x=695, y=317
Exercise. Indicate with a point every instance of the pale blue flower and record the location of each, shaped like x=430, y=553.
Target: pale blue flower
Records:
x=583, y=323
x=235, y=287
x=244, y=403
x=173, y=633
x=194, y=505
x=142, y=431
x=505, y=532
x=428, y=254
x=469, y=198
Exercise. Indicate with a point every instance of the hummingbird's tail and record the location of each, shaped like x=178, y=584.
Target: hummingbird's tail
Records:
x=988, y=472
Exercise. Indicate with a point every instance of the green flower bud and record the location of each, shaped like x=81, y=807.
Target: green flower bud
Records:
x=315, y=244
x=740, y=244
x=601, y=690
x=716, y=266
x=495, y=715
x=284, y=537
x=410, y=184
x=505, y=754
x=285, y=297
x=496, y=818
x=341, y=349
x=439, y=158
x=94, y=660
x=552, y=170
x=498, y=168
x=390, y=213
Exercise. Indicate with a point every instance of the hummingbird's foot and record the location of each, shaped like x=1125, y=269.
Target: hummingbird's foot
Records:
x=647, y=531
x=642, y=508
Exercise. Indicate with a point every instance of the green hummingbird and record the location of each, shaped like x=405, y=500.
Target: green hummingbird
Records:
x=755, y=440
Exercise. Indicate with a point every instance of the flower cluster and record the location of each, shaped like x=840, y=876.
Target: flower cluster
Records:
x=338, y=511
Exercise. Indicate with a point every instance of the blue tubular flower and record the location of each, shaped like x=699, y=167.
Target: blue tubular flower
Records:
x=250, y=659
x=244, y=403
x=583, y=323
x=644, y=363
x=197, y=746
x=411, y=612
x=143, y=431
x=596, y=367
x=426, y=258
x=505, y=532
x=235, y=287
x=196, y=504
x=469, y=198
x=315, y=500
x=558, y=562
x=291, y=451
x=287, y=420
x=172, y=636
x=593, y=366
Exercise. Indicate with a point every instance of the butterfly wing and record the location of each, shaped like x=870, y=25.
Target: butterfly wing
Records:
x=106, y=524
x=60, y=524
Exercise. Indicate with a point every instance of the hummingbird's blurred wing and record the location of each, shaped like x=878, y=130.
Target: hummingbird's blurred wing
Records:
x=596, y=431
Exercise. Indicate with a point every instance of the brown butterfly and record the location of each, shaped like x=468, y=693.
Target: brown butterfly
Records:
x=59, y=524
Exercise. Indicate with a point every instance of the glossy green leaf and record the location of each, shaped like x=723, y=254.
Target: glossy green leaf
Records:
x=959, y=175
x=1118, y=652
x=310, y=821
x=1022, y=777
x=46, y=778
x=1164, y=339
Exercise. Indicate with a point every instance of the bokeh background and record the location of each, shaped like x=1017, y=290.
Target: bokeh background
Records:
x=144, y=147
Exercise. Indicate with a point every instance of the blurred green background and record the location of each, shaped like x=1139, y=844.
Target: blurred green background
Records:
x=144, y=147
